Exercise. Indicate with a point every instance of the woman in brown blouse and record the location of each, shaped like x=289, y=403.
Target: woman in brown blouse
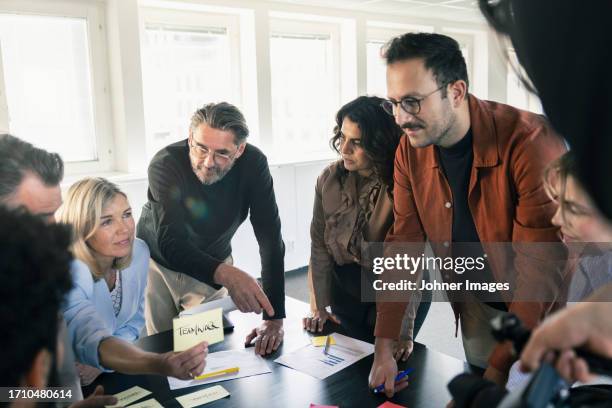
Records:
x=353, y=204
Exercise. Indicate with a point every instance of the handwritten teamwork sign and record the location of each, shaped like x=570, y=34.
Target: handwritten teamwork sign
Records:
x=191, y=330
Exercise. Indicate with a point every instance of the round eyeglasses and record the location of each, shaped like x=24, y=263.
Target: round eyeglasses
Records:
x=409, y=104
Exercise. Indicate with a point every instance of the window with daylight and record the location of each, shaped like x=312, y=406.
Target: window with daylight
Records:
x=305, y=87
x=185, y=66
x=378, y=34
x=517, y=93
x=377, y=84
x=46, y=76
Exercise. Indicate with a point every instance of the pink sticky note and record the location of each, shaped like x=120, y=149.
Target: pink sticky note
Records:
x=389, y=404
x=323, y=406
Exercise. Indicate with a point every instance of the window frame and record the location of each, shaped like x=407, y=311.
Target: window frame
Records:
x=198, y=20
x=93, y=13
x=290, y=25
x=533, y=102
x=382, y=32
x=201, y=20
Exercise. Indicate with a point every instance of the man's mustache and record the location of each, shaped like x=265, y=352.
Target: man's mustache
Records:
x=209, y=169
x=412, y=126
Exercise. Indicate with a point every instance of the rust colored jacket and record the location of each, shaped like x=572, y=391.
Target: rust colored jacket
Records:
x=506, y=198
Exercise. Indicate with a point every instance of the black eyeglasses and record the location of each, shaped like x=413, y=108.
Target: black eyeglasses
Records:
x=409, y=104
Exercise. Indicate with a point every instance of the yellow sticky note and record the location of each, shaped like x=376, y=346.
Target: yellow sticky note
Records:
x=202, y=397
x=194, y=329
x=125, y=398
x=319, y=341
x=150, y=403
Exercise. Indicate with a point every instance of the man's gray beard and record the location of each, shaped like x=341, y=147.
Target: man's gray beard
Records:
x=217, y=177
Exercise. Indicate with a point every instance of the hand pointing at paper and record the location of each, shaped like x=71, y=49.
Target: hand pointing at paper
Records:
x=249, y=297
x=243, y=289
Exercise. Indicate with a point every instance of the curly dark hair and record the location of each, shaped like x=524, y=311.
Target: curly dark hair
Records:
x=35, y=276
x=380, y=135
x=440, y=53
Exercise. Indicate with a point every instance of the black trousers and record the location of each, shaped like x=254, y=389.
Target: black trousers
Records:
x=358, y=317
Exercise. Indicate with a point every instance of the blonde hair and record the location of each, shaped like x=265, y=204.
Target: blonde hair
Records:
x=82, y=209
x=555, y=178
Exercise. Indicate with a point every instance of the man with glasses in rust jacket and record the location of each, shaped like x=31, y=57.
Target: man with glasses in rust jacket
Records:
x=200, y=191
x=466, y=171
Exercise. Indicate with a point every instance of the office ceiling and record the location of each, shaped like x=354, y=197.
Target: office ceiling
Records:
x=453, y=10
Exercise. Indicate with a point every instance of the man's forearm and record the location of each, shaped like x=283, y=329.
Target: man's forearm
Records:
x=124, y=357
x=273, y=276
x=383, y=347
x=275, y=291
x=389, y=316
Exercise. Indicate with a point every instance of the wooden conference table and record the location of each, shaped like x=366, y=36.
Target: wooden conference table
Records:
x=285, y=387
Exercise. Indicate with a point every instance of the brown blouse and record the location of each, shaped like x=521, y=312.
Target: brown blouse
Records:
x=348, y=209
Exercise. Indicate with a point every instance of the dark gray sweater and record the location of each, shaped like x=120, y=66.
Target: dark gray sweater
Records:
x=189, y=226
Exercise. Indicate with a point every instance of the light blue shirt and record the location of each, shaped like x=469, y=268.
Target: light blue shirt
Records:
x=89, y=309
x=593, y=271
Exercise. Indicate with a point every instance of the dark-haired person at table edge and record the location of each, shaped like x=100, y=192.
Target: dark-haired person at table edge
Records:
x=353, y=204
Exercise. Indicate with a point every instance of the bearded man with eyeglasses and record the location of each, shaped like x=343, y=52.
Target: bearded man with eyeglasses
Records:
x=200, y=191
x=467, y=171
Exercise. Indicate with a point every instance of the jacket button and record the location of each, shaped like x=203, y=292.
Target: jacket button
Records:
x=448, y=204
x=446, y=244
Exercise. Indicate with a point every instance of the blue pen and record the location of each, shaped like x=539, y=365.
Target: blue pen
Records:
x=399, y=377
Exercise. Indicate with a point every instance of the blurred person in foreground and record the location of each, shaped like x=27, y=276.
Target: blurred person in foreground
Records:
x=30, y=179
x=577, y=101
x=34, y=268
x=565, y=47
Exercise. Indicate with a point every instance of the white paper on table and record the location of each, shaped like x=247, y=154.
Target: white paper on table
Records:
x=312, y=361
x=226, y=303
x=249, y=363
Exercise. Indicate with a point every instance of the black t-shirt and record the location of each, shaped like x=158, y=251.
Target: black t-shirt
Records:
x=456, y=162
x=189, y=226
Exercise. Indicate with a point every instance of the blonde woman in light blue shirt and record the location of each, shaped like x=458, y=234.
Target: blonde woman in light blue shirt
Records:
x=105, y=310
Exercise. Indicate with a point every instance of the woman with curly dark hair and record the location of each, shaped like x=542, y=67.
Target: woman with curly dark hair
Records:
x=353, y=205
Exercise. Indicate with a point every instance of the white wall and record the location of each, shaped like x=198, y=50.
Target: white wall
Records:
x=294, y=188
